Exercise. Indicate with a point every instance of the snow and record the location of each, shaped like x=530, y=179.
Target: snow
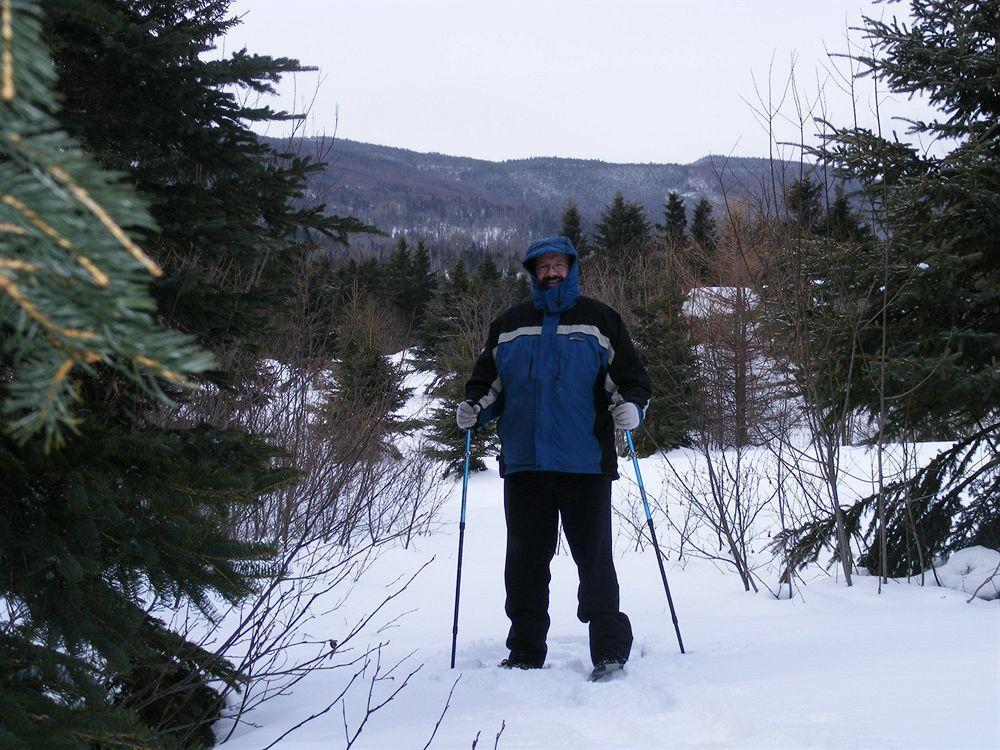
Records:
x=831, y=667
x=709, y=301
x=972, y=570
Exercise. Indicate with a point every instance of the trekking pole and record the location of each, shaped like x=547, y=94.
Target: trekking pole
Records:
x=652, y=534
x=461, y=542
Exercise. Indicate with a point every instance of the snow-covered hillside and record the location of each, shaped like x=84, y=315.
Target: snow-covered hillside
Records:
x=832, y=667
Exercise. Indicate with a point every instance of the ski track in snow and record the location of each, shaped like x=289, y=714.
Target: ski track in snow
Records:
x=834, y=667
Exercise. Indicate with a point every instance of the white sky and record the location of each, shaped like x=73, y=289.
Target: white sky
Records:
x=618, y=81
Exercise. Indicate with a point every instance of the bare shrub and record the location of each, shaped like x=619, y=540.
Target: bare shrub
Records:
x=362, y=484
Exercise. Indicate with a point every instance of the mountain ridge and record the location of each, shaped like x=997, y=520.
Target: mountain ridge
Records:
x=459, y=203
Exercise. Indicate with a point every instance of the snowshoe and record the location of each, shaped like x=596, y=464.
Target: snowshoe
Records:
x=515, y=661
x=606, y=669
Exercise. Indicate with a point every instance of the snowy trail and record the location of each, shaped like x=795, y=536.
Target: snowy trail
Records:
x=916, y=667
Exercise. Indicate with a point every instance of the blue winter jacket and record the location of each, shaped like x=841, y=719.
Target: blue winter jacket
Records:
x=550, y=370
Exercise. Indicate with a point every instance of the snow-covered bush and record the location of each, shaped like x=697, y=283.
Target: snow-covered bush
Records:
x=974, y=570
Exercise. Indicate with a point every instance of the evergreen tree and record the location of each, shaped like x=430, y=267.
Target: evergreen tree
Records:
x=803, y=202
x=396, y=275
x=703, y=225
x=458, y=277
x=673, y=228
x=368, y=276
x=488, y=271
x=439, y=319
x=422, y=284
x=144, y=99
x=368, y=388
x=522, y=291
x=77, y=550
x=623, y=228
x=926, y=357
x=75, y=286
x=571, y=228
x=943, y=265
x=447, y=441
x=128, y=512
x=516, y=284
x=451, y=355
x=664, y=343
x=841, y=222
x=406, y=280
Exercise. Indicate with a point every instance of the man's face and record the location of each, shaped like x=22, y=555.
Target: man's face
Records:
x=551, y=268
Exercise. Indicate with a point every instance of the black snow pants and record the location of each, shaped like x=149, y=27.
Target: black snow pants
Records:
x=533, y=502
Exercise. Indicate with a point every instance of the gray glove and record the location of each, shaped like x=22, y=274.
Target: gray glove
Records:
x=626, y=415
x=467, y=414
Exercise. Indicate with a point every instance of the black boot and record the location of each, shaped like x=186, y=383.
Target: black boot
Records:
x=521, y=661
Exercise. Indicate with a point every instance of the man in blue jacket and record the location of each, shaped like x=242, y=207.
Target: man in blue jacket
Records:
x=560, y=373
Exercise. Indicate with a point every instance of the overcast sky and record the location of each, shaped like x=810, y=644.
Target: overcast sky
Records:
x=617, y=81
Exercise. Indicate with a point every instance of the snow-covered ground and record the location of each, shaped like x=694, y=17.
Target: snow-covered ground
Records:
x=833, y=667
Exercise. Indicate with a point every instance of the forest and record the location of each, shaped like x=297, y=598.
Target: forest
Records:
x=219, y=422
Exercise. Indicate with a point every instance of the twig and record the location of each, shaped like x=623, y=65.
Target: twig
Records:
x=988, y=579
x=447, y=704
x=320, y=713
x=496, y=742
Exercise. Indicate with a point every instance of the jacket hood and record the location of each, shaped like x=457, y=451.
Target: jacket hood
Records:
x=562, y=296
